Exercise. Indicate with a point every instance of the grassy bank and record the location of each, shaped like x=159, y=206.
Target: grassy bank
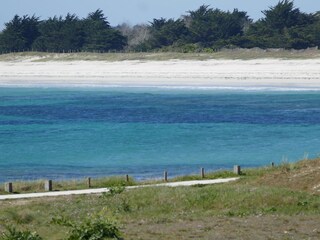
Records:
x=266, y=203
x=245, y=54
x=77, y=184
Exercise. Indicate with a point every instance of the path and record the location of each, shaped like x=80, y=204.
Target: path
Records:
x=103, y=190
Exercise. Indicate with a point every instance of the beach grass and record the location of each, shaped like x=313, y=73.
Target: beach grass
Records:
x=78, y=184
x=112, y=181
x=73, y=184
x=232, y=54
x=280, y=202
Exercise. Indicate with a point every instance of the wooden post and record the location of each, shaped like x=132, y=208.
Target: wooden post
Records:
x=48, y=185
x=202, y=172
x=89, y=182
x=237, y=169
x=127, y=178
x=165, y=176
x=8, y=187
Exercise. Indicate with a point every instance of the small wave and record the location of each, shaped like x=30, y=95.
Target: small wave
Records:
x=236, y=88
x=166, y=87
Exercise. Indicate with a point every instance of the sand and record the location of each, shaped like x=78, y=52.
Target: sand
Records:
x=261, y=73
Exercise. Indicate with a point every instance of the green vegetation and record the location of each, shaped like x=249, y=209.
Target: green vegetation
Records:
x=204, y=30
x=93, y=33
x=285, y=200
x=93, y=228
x=14, y=234
x=242, y=54
x=38, y=186
x=115, y=184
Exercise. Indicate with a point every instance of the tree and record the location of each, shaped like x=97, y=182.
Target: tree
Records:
x=51, y=36
x=281, y=27
x=19, y=34
x=285, y=15
x=167, y=32
x=204, y=29
x=58, y=34
x=93, y=33
x=99, y=35
x=208, y=25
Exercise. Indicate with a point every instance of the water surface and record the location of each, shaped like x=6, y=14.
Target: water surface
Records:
x=64, y=133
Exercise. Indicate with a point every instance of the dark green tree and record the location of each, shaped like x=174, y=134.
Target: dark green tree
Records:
x=167, y=32
x=281, y=27
x=51, y=36
x=207, y=25
x=284, y=15
x=58, y=34
x=99, y=35
x=20, y=33
x=314, y=30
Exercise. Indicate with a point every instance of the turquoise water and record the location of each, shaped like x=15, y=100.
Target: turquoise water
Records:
x=64, y=133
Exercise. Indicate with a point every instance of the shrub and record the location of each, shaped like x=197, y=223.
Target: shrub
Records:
x=98, y=228
x=116, y=190
x=113, y=191
x=14, y=234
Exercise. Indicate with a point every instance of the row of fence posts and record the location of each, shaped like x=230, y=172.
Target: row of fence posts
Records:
x=148, y=51
x=83, y=51
x=8, y=186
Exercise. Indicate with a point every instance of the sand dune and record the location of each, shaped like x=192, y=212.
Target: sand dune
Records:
x=210, y=73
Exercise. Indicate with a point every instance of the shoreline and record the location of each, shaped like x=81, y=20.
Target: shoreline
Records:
x=259, y=73
x=156, y=88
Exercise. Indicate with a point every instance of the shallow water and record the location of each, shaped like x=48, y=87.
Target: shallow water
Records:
x=64, y=133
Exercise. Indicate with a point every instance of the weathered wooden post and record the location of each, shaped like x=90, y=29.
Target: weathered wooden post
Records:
x=202, y=172
x=48, y=185
x=8, y=187
x=237, y=169
x=89, y=182
x=127, y=178
x=165, y=176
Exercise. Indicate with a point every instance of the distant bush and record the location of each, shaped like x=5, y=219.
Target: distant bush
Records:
x=98, y=228
x=14, y=234
x=116, y=190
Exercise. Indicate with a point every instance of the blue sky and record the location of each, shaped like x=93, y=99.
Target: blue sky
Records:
x=135, y=11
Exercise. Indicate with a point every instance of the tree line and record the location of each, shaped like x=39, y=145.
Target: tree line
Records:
x=204, y=29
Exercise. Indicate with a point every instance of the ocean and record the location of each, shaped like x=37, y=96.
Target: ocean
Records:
x=75, y=132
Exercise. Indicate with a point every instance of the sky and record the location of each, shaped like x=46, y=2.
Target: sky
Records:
x=136, y=11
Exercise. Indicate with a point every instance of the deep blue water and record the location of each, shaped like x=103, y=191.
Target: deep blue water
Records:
x=76, y=132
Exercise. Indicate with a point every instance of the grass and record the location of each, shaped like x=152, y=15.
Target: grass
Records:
x=269, y=204
x=209, y=175
x=76, y=184
x=245, y=54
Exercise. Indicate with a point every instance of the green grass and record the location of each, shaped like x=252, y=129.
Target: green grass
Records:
x=76, y=184
x=161, y=205
x=164, y=209
x=245, y=54
x=209, y=175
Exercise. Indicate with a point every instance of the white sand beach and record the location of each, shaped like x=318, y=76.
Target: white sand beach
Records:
x=261, y=73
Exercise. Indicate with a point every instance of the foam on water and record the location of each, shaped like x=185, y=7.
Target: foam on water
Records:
x=165, y=87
